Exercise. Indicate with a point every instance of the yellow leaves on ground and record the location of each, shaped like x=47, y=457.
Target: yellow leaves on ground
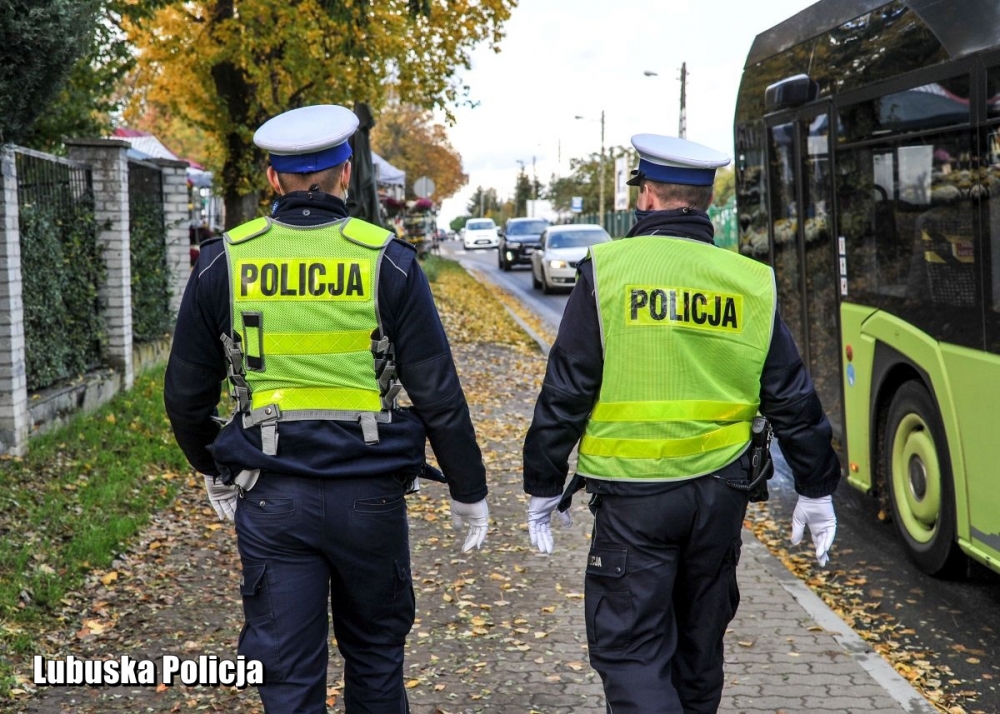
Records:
x=469, y=312
x=843, y=592
x=92, y=627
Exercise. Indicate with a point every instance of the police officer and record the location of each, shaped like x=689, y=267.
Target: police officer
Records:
x=322, y=318
x=668, y=348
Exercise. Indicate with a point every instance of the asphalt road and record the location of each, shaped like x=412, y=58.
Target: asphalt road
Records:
x=957, y=623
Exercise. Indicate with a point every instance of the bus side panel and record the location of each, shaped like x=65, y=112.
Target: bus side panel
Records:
x=975, y=390
x=857, y=384
x=926, y=354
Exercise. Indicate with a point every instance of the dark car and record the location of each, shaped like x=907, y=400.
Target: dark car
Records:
x=520, y=238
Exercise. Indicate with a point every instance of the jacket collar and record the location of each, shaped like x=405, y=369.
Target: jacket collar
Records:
x=309, y=207
x=681, y=222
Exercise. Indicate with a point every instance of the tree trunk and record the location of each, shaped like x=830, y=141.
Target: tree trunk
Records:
x=240, y=209
x=234, y=90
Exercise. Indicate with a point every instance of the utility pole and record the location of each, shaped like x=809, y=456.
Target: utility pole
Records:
x=521, y=164
x=600, y=167
x=601, y=172
x=682, y=130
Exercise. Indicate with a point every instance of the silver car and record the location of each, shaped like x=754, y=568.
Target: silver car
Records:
x=554, y=264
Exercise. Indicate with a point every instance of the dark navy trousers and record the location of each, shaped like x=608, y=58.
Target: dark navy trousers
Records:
x=660, y=591
x=308, y=545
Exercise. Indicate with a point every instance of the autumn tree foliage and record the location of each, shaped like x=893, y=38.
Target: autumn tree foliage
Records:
x=226, y=66
x=41, y=41
x=406, y=136
x=584, y=181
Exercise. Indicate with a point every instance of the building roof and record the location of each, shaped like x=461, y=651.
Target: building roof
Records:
x=147, y=146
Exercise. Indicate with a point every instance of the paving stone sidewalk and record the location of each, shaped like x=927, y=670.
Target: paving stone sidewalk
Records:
x=499, y=630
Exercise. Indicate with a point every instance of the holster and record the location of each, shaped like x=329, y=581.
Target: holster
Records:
x=432, y=473
x=411, y=482
x=574, y=485
x=761, y=465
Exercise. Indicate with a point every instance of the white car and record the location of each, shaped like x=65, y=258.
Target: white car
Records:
x=554, y=264
x=480, y=233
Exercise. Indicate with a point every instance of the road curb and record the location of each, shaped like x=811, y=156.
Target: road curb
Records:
x=476, y=273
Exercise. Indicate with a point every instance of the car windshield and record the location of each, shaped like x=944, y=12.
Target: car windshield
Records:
x=525, y=228
x=480, y=225
x=577, y=239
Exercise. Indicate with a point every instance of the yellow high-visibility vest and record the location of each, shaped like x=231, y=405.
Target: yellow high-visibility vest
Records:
x=303, y=303
x=685, y=329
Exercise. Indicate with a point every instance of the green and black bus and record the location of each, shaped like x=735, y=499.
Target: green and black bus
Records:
x=867, y=139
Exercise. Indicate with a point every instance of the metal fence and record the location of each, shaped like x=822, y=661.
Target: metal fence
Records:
x=62, y=268
x=43, y=179
x=724, y=220
x=618, y=223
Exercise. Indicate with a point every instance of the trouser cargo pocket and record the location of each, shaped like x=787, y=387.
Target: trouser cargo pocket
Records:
x=259, y=636
x=608, y=602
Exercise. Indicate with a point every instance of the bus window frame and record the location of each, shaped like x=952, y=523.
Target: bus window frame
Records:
x=795, y=117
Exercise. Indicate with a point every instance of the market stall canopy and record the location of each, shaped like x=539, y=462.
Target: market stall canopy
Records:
x=388, y=175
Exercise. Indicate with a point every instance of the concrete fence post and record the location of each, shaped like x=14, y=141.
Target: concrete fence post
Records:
x=108, y=159
x=177, y=216
x=14, y=418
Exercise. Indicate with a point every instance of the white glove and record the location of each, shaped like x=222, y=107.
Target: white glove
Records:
x=540, y=510
x=817, y=513
x=222, y=497
x=474, y=515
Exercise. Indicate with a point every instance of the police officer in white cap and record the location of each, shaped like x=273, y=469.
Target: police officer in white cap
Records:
x=667, y=350
x=322, y=319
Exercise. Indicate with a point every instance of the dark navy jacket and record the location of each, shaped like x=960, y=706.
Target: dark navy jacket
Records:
x=325, y=449
x=573, y=382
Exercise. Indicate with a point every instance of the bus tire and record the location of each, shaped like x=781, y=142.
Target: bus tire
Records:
x=920, y=484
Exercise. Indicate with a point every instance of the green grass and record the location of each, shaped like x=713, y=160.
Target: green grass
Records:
x=432, y=266
x=72, y=503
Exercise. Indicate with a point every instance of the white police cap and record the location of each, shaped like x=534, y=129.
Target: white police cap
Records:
x=308, y=139
x=669, y=159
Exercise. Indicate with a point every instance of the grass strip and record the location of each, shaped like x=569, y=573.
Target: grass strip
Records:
x=71, y=504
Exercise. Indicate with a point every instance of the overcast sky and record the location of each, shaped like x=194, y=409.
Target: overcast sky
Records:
x=562, y=58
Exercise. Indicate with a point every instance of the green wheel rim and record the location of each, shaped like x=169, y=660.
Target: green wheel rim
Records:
x=916, y=478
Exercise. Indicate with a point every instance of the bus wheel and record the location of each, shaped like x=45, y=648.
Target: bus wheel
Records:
x=920, y=483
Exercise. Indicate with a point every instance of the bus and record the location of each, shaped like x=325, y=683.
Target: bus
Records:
x=867, y=139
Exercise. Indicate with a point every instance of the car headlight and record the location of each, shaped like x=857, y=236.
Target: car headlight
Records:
x=557, y=264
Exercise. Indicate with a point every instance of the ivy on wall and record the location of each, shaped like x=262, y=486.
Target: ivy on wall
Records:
x=151, y=316
x=62, y=269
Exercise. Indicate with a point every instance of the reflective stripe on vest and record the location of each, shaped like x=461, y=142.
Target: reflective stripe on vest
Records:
x=685, y=328
x=303, y=302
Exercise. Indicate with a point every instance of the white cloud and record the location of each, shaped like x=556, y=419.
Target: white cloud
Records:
x=562, y=58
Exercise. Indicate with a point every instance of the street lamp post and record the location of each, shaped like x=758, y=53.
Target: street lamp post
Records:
x=600, y=170
x=682, y=123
